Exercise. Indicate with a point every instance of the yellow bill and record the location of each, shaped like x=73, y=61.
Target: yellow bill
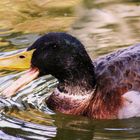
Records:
x=20, y=61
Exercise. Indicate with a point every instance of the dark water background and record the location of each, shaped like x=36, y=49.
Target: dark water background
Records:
x=103, y=26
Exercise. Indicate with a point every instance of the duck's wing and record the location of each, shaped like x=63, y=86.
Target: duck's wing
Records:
x=116, y=74
x=119, y=70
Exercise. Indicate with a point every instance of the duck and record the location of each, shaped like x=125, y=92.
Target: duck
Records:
x=105, y=88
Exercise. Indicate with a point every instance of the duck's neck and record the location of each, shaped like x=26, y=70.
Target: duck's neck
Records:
x=72, y=95
x=79, y=72
x=82, y=81
x=81, y=96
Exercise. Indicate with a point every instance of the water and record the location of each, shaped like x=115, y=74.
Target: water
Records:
x=103, y=26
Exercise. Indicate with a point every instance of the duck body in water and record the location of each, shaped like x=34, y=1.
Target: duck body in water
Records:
x=107, y=88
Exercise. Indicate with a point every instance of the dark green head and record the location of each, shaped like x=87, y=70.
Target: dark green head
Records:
x=61, y=55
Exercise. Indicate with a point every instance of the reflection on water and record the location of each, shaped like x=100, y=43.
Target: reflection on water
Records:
x=102, y=25
x=36, y=16
x=105, y=25
x=26, y=129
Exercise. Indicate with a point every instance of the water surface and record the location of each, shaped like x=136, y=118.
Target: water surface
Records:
x=102, y=26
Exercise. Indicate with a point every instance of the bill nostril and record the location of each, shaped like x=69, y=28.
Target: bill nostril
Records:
x=21, y=56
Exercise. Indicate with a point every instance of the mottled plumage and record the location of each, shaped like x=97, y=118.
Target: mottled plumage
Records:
x=115, y=74
x=112, y=76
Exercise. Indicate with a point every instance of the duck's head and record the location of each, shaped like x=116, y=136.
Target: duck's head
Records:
x=58, y=54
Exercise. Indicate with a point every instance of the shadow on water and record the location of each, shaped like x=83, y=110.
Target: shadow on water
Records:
x=102, y=25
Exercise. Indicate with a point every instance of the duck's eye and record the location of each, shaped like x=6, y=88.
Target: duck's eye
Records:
x=21, y=56
x=54, y=46
x=46, y=43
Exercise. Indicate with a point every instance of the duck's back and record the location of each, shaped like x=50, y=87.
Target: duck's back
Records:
x=116, y=75
x=120, y=69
